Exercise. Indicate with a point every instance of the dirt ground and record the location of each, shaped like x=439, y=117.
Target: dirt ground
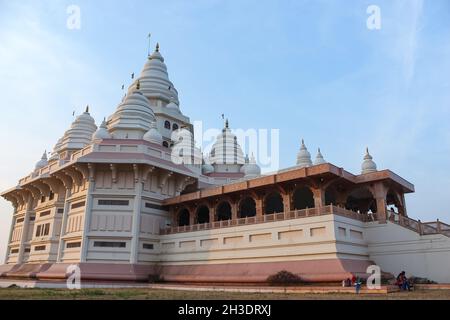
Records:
x=162, y=294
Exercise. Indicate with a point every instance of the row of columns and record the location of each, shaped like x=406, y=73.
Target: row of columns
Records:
x=378, y=190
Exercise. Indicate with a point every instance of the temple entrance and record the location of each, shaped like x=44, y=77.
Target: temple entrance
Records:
x=203, y=214
x=223, y=211
x=183, y=218
x=247, y=208
x=361, y=200
x=273, y=203
x=303, y=198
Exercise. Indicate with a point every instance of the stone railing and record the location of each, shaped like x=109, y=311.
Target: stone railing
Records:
x=296, y=214
x=423, y=228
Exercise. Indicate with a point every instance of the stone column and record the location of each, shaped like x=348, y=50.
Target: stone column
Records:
x=26, y=223
x=191, y=216
x=87, y=222
x=212, y=214
x=13, y=220
x=135, y=230
x=234, y=210
x=63, y=225
x=259, y=207
x=319, y=197
x=286, y=202
x=379, y=193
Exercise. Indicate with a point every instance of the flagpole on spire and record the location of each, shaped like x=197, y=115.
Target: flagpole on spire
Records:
x=148, y=50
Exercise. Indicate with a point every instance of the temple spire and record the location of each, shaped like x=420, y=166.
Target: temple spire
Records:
x=87, y=109
x=157, y=47
x=368, y=164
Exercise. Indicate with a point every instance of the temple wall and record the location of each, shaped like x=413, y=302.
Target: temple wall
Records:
x=395, y=249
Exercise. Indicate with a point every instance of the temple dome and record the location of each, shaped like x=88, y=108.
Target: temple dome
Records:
x=133, y=116
x=154, y=79
x=303, y=156
x=153, y=135
x=172, y=105
x=319, y=158
x=250, y=168
x=43, y=162
x=226, y=150
x=368, y=164
x=79, y=134
x=102, y=132
x=207, y=168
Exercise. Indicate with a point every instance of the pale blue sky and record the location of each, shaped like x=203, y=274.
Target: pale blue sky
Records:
x=310, y=68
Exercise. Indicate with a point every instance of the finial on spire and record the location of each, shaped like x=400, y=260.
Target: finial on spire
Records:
x=368, y=164
x=138, y=85
x=226, y=124
x=87, y=109
x=157, y=47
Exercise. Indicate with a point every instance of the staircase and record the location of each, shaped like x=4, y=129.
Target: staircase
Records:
x=422, y=228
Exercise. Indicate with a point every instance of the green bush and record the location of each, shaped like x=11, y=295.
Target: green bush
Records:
x=285, y=278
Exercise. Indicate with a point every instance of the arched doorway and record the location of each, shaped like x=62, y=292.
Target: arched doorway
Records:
x=303, y=198
x=183, y=217
x=247, y=208
x=361, y=200
x=273, y=203
x=203, y=214
x=223, y=211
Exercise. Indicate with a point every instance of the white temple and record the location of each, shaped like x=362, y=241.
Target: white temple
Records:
x=134, y=198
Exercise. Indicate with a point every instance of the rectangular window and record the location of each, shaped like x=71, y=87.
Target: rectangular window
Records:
x=155, y=206
x=20, y=220
x=38, y=231
x=14, y=251
x=42, y=230
x=70, y=245
x=46, y=229
x=60, y=210
x=42, y=199
x=113, y=202
x=110, y=244
x=27, y=250
x=45, y=213
x=148, y=246
x=32, y=218
x=78, y=205
x=39, y=248
x=51, y=196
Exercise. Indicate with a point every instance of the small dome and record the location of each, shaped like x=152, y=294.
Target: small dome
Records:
x=368, y=164
x=226, y=150
x=251, y=169
x=173, y=105
x=303, y=156
x=43, y=162
x=80, y=133
x=133, y=116
x=102, y=132
x=319, y=158
x=153, y=135
x=207, y=168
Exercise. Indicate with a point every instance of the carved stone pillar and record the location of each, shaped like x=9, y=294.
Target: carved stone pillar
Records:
x=319, y=197
x=259, y=207
x=212, y=213
x=379, y=191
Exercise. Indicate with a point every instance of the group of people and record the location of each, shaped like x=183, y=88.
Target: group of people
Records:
x=353, y=282
x=403, y=282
